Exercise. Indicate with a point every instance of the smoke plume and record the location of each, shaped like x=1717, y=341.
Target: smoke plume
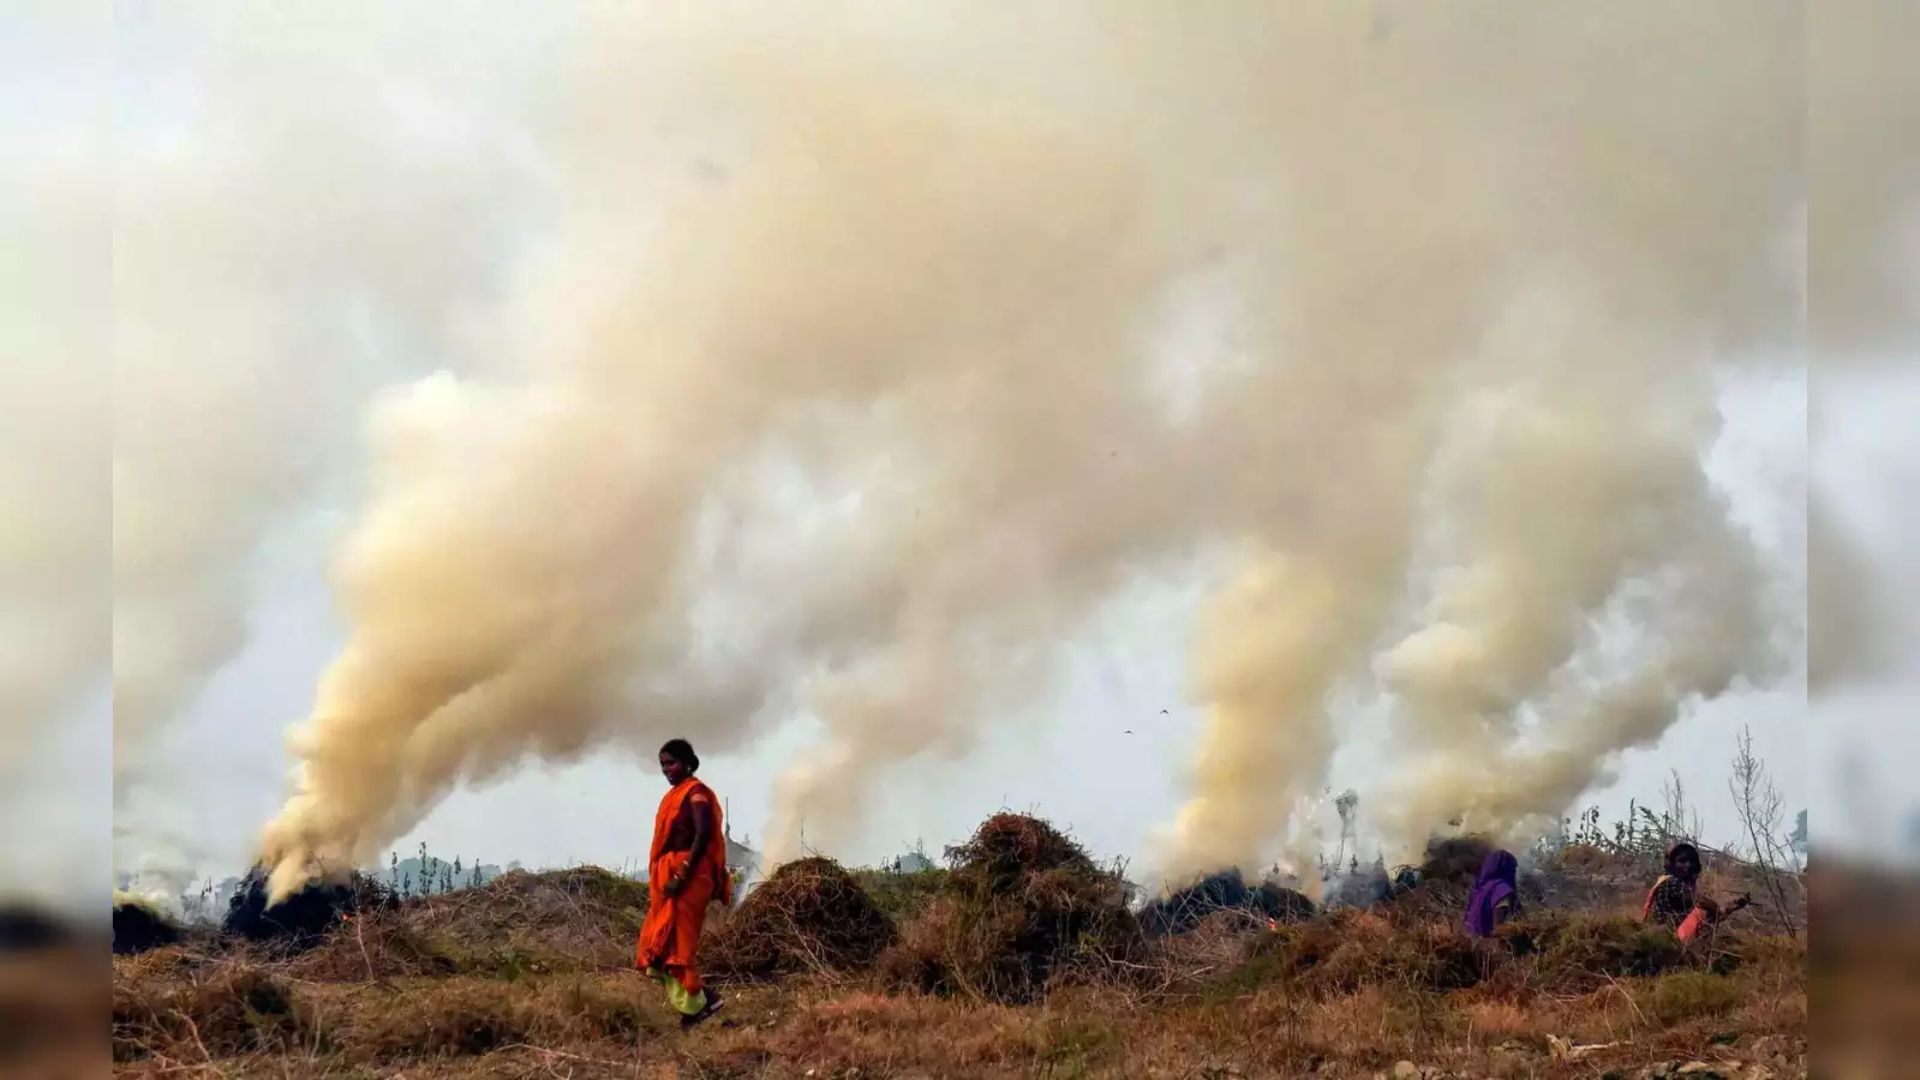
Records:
x=53, y=537
x=278, y=211
x=55, y=211
x=1863, y=183
x=1863, y=248
x=854, y=374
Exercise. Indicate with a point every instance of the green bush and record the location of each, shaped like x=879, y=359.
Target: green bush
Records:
x=902, y=896
x=1684, y=995
x=1581, y=953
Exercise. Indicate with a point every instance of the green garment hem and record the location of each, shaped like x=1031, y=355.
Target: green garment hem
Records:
x=682, y=1002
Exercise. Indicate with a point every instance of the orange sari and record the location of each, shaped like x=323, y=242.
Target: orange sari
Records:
x=670, y=938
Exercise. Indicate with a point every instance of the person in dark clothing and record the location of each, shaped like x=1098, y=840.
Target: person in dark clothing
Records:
x=1496, y=896
x=1674, y=901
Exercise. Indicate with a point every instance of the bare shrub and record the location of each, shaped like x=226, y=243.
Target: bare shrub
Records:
x=1762, y=811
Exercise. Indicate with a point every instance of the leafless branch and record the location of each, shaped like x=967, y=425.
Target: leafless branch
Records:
x=1762, y=810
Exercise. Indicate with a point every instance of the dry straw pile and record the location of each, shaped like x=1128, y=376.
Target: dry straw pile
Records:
x=810, y=916
x=1024, y=907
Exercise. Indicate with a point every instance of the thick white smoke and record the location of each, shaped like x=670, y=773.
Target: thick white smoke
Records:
x=1863, y=250
x=55, y=213
x=843, y=385
x=1864, y=331
x=55, y=517
x=289, y=234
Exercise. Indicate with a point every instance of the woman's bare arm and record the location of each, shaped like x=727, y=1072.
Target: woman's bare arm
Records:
x=702, y=811
x=696, y=816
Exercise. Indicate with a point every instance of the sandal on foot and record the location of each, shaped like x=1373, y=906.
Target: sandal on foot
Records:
x=713, y=1005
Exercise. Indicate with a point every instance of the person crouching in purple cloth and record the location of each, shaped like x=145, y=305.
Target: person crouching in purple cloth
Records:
x=1496, y=896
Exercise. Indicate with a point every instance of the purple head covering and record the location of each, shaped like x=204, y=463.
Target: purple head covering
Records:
x=1496, y=883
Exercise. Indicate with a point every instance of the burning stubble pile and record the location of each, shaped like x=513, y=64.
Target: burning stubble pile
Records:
x=299, y=921
x=1225, y=895
x=302, y=918
x=1454, y=860
x=138, y=926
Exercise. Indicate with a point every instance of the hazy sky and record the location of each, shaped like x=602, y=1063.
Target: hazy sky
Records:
x=388, y=121
x=327, y=128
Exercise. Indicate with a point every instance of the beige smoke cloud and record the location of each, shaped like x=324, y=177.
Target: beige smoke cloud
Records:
x=468, y=617
x=845, y=386
x=1556, y=503
x=1863, y=179
x=1548, y=352
x=55, y=212
x=1848, y=639
x=55, y=520
x=1511, y=707
x=1863, y=324
x=283, y=201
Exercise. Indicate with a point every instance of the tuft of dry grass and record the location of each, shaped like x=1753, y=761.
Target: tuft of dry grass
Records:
x=860, y=1029
x=231, y=1008
x=1498, y=1020
x=467, y=1016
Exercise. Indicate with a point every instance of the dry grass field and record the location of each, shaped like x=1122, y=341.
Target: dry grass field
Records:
x=1022, y=960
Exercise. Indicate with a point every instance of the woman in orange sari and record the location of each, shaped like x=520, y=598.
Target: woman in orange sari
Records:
x=686, y=869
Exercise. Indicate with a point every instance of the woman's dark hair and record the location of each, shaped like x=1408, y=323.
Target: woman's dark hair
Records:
x=1677, y=850
x=682, y=751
